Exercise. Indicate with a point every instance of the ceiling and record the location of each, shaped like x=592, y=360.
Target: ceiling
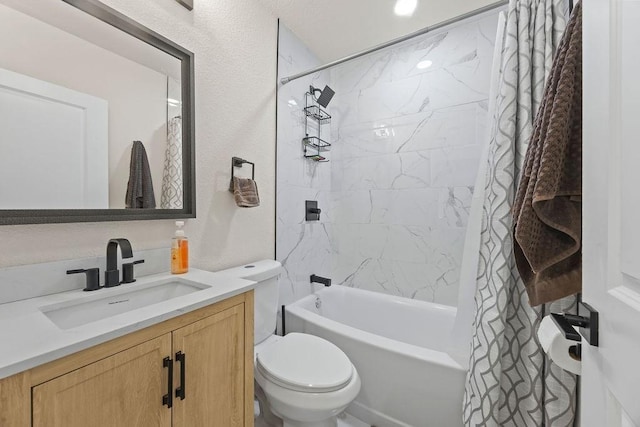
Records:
x=333, y=29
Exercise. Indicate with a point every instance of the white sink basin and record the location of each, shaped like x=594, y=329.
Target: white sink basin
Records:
x=124, y=298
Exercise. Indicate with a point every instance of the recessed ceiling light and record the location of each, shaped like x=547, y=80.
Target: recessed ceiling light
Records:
x=292, y=103
x=405, y=7
x=424, y=64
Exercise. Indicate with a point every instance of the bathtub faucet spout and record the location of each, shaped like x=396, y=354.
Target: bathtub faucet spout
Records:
x=321, y=280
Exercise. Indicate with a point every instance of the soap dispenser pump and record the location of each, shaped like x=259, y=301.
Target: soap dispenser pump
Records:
x=179, y=251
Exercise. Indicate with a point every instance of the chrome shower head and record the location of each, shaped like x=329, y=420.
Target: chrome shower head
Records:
x=325, y=97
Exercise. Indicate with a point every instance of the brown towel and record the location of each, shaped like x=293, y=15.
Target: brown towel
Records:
x=140, y=187
x=548, y=206
x=245, y=191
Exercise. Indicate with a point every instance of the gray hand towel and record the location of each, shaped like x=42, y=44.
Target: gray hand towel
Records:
x=245, y=191
x=140, y=187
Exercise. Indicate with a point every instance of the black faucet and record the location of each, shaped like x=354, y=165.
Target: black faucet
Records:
x=92, y=278
x=127, y=271
x=321, y=280
x=112, y=274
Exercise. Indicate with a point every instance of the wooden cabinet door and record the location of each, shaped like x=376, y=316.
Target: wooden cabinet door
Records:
x=214, y=351
x=125, y=389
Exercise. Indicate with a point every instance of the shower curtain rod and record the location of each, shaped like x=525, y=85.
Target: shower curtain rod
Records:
x=425, y=30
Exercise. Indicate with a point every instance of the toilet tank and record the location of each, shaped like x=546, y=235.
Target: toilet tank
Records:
x=266, y=273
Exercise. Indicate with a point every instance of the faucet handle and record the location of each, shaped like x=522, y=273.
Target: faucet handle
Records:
x=127, y=271
x=93, y=278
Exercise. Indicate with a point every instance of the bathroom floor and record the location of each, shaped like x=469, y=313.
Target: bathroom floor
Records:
x=351, y=421
x=346, y=421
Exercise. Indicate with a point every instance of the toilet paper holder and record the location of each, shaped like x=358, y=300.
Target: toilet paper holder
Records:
x=586, y=320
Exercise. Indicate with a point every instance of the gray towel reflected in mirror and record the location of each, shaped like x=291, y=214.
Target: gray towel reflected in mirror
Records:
x=140, y=187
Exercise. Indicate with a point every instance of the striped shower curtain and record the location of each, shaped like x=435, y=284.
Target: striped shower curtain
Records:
x=171, y=197
x=511, y=382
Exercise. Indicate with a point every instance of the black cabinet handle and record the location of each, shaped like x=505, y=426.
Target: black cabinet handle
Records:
x=182, y=358
x=167, y=399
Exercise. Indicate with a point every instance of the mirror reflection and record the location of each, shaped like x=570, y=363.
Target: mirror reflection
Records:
x=91, y=116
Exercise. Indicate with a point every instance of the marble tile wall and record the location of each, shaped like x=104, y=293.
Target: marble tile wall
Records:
x=406, y=150
x=303, y=248
x=406, y=144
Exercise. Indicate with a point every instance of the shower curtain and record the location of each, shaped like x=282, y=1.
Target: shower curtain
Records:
x=172, y=175
x=511, y=382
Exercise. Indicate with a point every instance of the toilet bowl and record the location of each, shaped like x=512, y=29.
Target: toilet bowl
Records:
x=307, y=381
x=301, y=380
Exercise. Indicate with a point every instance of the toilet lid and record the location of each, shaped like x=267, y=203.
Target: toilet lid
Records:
x=306, y=363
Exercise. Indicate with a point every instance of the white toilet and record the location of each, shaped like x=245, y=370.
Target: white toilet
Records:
x=304, y=380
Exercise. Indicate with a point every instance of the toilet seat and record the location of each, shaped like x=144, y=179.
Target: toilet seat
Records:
x=305, y=363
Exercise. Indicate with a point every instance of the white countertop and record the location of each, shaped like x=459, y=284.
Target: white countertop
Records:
x=29, y=338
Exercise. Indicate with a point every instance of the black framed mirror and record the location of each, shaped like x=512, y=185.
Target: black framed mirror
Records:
x=99, y=116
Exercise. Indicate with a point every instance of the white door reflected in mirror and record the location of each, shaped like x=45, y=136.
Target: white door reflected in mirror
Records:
x=56, y=146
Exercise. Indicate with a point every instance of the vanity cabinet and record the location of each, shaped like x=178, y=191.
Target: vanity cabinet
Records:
x=125, y=389
x=125, y=382
x=213, y=350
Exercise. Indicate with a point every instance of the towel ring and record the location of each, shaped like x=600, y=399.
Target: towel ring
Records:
x=237, y=162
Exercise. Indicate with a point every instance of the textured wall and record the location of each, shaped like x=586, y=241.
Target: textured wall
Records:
x=235, y=47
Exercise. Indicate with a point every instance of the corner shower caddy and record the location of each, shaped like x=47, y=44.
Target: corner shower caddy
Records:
x=314, y=144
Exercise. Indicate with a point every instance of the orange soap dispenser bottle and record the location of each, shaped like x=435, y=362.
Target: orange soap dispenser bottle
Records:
x=179, y=251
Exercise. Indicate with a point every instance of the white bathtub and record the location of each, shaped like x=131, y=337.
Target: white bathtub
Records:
x=398, y=346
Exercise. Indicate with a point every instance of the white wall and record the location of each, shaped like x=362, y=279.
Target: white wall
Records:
x=235, y=55
x=131, y=89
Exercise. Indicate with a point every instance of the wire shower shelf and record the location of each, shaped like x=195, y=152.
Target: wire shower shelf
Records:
x=318, y=114
x=316, y=143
